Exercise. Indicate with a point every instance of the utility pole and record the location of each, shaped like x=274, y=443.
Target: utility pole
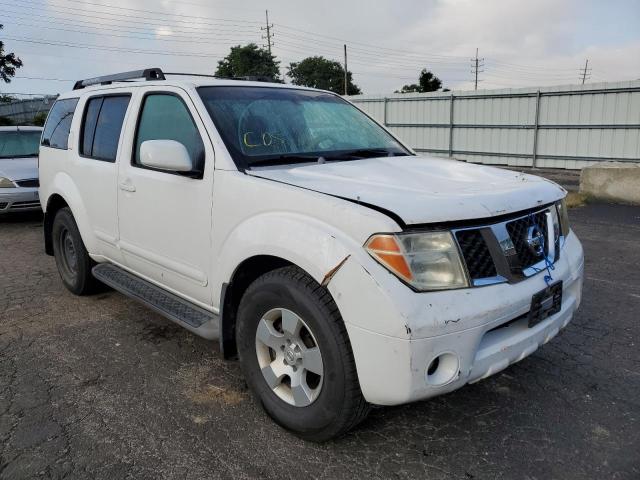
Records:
x=268, y=30
x=346, y=81
x=585, y=72
x=476, y=64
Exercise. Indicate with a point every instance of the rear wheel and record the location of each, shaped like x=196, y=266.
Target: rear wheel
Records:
x=73, y=261
x=296, y=355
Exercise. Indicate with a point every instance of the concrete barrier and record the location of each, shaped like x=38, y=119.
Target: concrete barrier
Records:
x=612, y=181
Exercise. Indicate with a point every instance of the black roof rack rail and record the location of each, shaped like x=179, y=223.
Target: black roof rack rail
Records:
x=147, y=74
x=246, y=78
x=193, y=74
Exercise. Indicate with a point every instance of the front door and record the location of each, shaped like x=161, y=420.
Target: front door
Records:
x=165, y=217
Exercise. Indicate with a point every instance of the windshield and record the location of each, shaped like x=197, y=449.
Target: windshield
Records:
x=266, y=125
x=19, y=144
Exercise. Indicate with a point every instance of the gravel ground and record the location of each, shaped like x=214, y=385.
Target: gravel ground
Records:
x=101, y=387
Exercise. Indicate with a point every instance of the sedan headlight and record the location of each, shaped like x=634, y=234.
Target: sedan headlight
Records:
x=6, y=183
x=426, y=260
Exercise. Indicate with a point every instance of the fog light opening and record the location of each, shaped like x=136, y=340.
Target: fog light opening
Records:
x=433, y=366
x=442, y=369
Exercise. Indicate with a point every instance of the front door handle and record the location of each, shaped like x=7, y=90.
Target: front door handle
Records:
x=127, y=186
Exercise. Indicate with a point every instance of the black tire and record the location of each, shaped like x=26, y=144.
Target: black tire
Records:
x=73, y=261
x=339, y=405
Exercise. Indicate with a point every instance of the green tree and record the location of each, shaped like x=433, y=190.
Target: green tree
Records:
x=413, y=88
x=427, y=82
x=319, y=72
x=5, y=122
x=8, y=63
x=39, y=119
x=249, y=61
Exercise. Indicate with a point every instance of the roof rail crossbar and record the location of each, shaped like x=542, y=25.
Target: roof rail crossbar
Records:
x=147, y=74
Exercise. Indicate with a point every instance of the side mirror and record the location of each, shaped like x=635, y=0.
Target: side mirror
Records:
x=165, y=155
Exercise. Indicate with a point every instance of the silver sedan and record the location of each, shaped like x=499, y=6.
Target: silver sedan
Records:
x=19, y=168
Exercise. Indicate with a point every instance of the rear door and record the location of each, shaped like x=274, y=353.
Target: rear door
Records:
x=97, y=149
x=165, y=218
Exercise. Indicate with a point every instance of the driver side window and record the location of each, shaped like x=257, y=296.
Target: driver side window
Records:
x=165, y=116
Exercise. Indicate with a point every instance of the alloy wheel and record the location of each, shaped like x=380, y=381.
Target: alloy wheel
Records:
x=289, y=357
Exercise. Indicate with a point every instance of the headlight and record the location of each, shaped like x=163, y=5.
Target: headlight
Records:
x=426, y=261
x=561, y=206
x=6, y=183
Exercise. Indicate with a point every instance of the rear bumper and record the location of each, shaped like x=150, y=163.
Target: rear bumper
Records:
x=19, y=200
x=475, y=332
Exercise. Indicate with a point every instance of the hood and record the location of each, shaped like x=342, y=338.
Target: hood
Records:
x=19, y=168
x=421, y=189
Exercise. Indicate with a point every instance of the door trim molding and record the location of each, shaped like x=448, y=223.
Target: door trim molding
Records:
x=190, y=273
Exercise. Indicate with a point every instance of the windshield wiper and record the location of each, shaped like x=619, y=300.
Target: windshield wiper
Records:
x=283, y=160
x=365, y=153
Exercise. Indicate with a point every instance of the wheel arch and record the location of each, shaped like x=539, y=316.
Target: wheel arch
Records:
x=55, y=203
x=245, y=273
x=64, y=193
x=263, y=243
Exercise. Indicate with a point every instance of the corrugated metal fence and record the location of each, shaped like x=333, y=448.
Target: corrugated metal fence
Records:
x=553, y=127
x=22, y=111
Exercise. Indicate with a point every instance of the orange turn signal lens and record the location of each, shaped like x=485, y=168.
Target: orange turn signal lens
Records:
x=386, y=250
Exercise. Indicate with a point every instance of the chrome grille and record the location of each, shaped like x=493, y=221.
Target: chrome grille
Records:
x=29, y=183
x=510, y=250
x=518, y=231
x=21, y=205
x=476, y=254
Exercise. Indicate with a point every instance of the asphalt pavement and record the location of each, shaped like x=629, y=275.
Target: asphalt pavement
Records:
x=101, y=387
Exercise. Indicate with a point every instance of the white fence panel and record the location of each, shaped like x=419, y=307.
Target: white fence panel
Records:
x=557, y=127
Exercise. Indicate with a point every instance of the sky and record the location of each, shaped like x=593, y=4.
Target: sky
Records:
x=522, y=43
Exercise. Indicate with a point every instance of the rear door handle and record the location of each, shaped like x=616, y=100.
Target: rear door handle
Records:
x=127, y=186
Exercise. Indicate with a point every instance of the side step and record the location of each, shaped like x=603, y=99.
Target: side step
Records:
x=192, y=317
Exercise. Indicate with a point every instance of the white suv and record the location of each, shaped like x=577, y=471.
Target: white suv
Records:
x=340, y=267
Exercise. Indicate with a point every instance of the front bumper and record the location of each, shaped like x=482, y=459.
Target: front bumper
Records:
x=396, y=334
x=19, y=199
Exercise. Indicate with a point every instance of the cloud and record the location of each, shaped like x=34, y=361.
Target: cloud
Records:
x=163, y=31
x=524, y=43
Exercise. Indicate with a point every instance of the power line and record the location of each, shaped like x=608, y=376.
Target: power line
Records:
x=155, y=38
x=376, y=47
x=536, y=67
x=46, y=78
x=127, y=28
x=366, y=59
x=197, y=29
x=414, y=57
x=111, y=49
x=127, y=17
x=136, y=10
x=409, y=56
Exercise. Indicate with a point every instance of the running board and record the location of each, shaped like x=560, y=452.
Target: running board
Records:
x=192, y=317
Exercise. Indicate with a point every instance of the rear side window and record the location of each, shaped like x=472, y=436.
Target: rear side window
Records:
x=56, y=130
x=166, y=117
x=102, y=125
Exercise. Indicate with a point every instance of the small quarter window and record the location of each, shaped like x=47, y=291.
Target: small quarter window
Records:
x=56, y=130
x=166, y=117
x=102, y=125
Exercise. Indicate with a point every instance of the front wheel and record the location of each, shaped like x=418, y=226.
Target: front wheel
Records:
x=296, y=356
x=72, y=259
